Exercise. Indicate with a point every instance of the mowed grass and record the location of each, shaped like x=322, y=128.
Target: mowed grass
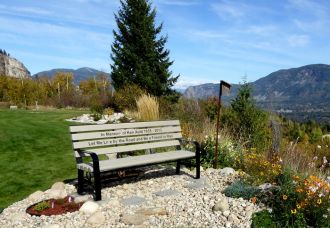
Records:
x=35, y=152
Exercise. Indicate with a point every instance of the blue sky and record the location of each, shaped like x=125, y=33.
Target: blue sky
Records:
x=209, y=40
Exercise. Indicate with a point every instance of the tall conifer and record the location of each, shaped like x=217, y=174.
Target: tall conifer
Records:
x=138, y=52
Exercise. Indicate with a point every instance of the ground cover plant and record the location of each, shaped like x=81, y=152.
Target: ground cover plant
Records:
x=35, y=151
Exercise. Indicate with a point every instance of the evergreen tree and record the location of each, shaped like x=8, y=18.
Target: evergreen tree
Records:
x=246, y=120
x=138, y=51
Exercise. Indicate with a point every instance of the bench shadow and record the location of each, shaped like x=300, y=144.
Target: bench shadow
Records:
x=112, y=179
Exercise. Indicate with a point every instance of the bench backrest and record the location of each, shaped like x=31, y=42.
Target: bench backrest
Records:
x=124, y=137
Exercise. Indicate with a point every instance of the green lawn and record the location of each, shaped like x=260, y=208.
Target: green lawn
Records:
x=35, y=152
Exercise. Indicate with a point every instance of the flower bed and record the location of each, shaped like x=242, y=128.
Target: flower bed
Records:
x=53, y=207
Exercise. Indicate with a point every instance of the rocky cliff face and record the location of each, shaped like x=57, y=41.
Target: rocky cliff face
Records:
x=12, y=67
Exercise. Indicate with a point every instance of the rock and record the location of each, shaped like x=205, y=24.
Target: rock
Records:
x=89, y=207
x=58, y=186
x=233, y=218
x=133, y=200
x=97, y=218
x=210, y=171
x=221, y=205
x=114, y=203
x=18, y=217
x=248, y=214
x=249, y=208
x=152, y=211
x=167, y=192
x=52, y=226
x=265, y=186
x=12, y=67
x=228, y=224
x=56, y=193
x=133, y=219
x=227, y=171
x=79, y=199
x=226, y=213
x=36, y=196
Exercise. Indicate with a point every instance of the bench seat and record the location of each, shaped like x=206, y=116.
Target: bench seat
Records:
x=134, y=161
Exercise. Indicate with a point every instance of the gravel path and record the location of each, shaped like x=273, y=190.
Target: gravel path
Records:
x=158, y=198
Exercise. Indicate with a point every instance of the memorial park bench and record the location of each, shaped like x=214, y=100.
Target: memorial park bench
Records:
x=146, y=140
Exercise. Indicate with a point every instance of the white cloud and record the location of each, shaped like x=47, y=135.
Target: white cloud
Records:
x=229, y=9
x=298, y=40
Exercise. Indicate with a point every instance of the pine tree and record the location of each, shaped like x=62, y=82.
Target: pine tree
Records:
x=138, y=51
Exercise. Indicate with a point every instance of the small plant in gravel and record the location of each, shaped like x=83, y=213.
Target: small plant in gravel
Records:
x=263, y=219
x=241, y=189
x=42, y=206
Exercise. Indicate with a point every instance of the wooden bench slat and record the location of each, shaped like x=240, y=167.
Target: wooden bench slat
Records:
x=86, y=128
x=126, y=140
x=107, y=165
x=125, y=133
x=120, y=149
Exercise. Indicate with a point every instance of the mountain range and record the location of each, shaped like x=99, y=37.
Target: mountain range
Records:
x=78, y=74
x=304, y=89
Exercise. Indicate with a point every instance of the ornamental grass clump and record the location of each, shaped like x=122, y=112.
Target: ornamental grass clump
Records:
x=147, y=108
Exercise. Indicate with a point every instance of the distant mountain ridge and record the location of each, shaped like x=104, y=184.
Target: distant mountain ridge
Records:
x=303, y=89
x=78, y=75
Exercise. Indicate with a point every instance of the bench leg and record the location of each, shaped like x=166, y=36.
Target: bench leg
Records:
x=178, y=164
x=97, y=186
x=80, y=188
x=198, y=166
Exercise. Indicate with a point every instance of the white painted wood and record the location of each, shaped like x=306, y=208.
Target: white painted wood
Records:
x=104, y=127
x=135, y=147
x=126, y=140
x=127, y=162
x=124, y=133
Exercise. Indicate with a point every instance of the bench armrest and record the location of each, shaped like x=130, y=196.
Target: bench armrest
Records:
x=197, y=145
x=95, y=158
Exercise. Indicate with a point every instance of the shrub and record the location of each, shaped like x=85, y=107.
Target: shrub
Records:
x=241, y=189
x=148, y=108
x=42, y=206
x=125, y=97
x=263, y=219
x=229, y=154
x=109, y=111
x=97, y=111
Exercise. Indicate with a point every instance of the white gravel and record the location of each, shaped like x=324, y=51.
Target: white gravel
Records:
x=188, y=207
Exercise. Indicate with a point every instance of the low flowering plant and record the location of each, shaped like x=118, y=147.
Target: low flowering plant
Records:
x=260, y=169
x=303, y=201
